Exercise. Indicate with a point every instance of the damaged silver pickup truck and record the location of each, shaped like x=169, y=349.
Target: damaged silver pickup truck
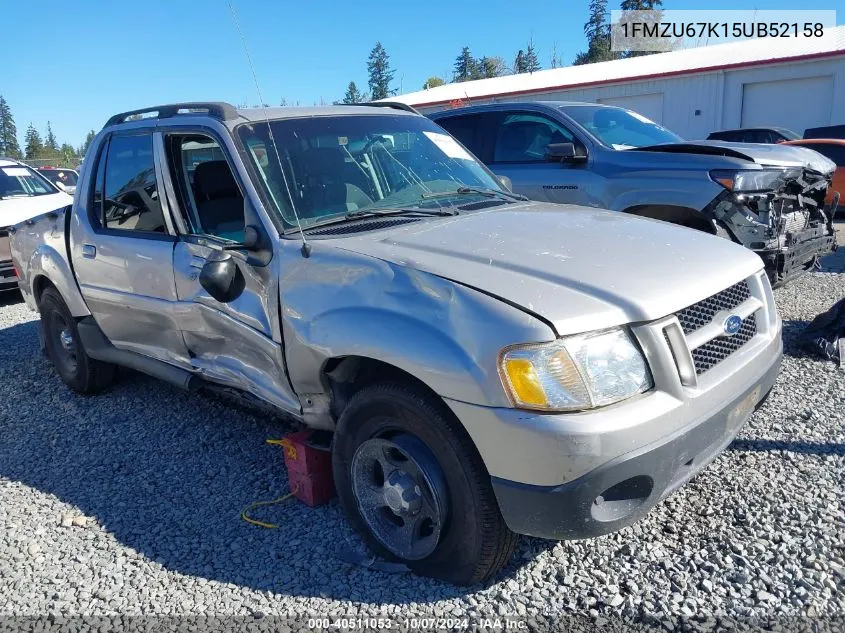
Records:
x=770, y=198
x=489, y=366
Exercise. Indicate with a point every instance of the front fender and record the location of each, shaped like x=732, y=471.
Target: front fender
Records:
x=664, y=196
x=447, y=335
x=47, y=261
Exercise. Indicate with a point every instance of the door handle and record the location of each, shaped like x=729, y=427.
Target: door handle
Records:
x=89, y=251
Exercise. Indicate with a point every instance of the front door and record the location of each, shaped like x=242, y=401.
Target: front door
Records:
x=519, y=153
x=122, y=252
x=237, y=344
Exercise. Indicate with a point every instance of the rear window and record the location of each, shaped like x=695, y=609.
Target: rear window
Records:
x=65, y=176
x=20, y=181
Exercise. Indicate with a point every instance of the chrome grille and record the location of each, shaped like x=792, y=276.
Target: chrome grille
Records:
x=700, y=314
x=714, y=352
x=696, y=316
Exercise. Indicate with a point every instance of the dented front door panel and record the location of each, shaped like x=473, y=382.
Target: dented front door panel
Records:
x=236, y=344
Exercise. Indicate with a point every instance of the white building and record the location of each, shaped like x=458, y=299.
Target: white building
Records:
x=792, y=82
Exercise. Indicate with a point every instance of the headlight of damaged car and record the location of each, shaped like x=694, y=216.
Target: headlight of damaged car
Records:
x=750, y=180
x=575, y=372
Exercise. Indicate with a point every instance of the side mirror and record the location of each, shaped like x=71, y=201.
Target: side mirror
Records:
x=222, y=278
x=505, y=182
x=61, y=186
x=251, y=241
x=562, y=153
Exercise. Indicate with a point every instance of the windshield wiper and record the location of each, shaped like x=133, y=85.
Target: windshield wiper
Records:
x=490, y=193
x=363, y=213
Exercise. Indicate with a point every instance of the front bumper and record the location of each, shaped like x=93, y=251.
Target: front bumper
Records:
x=802, y=251
x=621, y=491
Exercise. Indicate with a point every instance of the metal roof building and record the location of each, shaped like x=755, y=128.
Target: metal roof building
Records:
x=791, y=82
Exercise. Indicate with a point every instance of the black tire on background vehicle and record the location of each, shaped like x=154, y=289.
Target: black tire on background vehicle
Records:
x=413, y=485
x=79, y=371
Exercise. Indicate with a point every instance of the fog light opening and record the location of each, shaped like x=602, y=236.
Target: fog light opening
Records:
x=622, y=499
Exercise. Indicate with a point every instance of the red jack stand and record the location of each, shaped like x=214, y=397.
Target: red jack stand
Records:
x=308, y=460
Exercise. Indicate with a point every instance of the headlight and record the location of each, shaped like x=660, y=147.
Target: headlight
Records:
x=575, y=372
x=749, y=180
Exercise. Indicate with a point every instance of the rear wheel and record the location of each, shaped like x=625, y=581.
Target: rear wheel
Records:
x=64, y=348
x=413, y=485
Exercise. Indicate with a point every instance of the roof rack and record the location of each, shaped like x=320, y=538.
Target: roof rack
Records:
x=396, y=105
x=217, y=109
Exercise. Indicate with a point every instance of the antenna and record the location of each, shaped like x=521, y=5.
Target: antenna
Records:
x=306, y=247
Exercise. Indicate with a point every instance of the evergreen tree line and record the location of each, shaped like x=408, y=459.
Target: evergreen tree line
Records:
x=36, y=146
x=468, y=67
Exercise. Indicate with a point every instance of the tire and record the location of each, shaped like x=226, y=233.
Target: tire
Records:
x=64, y=348
x=470, y=542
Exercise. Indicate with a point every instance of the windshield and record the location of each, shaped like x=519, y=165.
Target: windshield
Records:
x=67, y=177
x=620, y=128
x=789, y=134
x=19, y=181
x=336, y=165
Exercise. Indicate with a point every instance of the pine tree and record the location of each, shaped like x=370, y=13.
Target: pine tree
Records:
x=8, y=132
x=83, y=149
x=642, y=5
x=34, y=146
x=378, y=67
x=466, y=67
x=492, y=67
x=50, y=141
x=353, y=95
x=532, y=62
x=597, y=30
x=520, y=64
x=67, y=154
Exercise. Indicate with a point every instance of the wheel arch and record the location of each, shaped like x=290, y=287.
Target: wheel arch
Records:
x=344, y=376
x=48, y=267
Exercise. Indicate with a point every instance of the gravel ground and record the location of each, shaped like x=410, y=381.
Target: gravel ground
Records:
x=129, y=503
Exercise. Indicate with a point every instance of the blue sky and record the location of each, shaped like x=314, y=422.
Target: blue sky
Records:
x=76, y=63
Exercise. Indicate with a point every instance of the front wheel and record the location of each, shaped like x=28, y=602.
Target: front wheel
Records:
x=64, y=348
x=413, y=485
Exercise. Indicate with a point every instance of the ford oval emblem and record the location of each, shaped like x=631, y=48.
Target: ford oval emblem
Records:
x=732, y=324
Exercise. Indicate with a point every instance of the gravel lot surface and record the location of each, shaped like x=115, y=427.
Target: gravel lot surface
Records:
x=129, y=503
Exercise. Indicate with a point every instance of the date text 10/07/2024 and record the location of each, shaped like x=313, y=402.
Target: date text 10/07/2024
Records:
x=418, y=624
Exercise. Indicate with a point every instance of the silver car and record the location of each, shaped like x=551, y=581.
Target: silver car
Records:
x=769, y=198
x=489, y=366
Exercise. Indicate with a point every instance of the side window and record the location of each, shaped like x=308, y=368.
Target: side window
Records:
x=467, y=129
x=522, y=138
x=208, y=192
x=131, y=201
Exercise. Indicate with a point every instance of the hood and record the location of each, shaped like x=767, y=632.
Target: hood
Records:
x=577, y=268
x=15, y=210
x=765, y=155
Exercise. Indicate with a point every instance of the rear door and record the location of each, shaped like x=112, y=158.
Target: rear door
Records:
x=122, y=251
x=238, y=343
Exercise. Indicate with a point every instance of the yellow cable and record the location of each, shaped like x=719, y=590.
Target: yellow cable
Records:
x=291, y=449
x=259, y=504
